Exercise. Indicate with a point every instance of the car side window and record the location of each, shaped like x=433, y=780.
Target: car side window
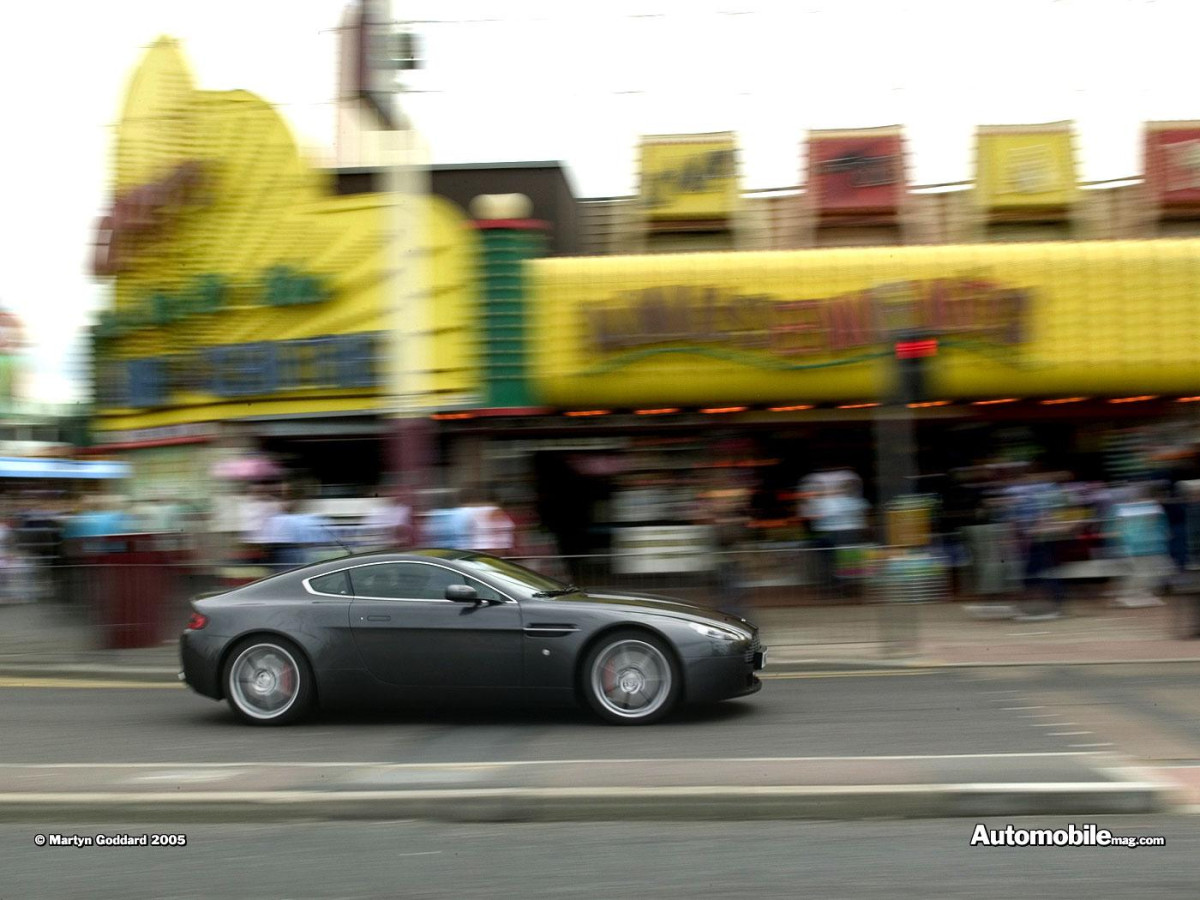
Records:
x=334, y=583
x=486, y=593
x=403, y=581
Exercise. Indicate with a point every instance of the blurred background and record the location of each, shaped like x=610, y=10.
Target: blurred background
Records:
x=708, y=303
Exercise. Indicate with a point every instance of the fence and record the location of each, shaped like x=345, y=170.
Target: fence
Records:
x=134, y=589
x=876, y=590
x=131, y=589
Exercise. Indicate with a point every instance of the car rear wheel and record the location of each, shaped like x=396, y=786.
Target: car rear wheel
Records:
x=268, y=681
x=630, y=678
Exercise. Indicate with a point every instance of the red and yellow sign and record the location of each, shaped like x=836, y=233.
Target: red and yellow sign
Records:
x=859, y=171
x=817, y=325
x=1025, y=166
x=1173, y=162
x=689, y=177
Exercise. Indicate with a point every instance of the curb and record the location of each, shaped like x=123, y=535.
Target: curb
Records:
x=717, y=803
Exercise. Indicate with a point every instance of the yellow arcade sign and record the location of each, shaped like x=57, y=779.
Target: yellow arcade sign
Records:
x=688, y=177
x=1020, y=319
x=244, y=285
x=1024, y=166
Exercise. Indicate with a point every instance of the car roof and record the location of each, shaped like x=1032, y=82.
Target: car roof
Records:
x=342, y=562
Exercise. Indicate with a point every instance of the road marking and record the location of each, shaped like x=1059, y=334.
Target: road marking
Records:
x=1068, y=733
x=1040, y=716
x=1092, y=745
x=71, y=683
x=285, y=764
x=191, y=775
x=275, y=802
x=856, y=673
x=1051, y=724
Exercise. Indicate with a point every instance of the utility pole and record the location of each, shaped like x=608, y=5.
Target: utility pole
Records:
x=384, y=50
x=905, y=384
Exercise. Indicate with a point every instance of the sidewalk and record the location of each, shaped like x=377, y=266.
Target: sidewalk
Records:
x=588, y=790
x=56, y=641
x=947, y=634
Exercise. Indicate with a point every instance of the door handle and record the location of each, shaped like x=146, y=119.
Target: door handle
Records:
x=379, y=618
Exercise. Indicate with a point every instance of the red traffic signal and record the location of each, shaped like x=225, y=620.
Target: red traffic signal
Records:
x=916, y=349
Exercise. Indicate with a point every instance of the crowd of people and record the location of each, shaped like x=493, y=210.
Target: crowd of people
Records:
x=45, y=533
x=1035, y=532
x=1020, y=535
x=1014, y=534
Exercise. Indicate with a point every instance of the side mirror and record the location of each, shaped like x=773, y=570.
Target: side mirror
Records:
x=462, y=593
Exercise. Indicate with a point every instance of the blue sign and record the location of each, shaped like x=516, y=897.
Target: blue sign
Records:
x=346, y=362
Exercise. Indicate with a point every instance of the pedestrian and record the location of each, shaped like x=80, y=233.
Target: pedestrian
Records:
x=728, y=519
x=1045, y=523
x=491, y=528
x=1142, y=534
x=841, y=523
x=255, y=510
x=445, y=524
x=389, y=525
x=811, y=492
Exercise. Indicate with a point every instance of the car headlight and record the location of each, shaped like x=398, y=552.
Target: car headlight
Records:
x=716, y=632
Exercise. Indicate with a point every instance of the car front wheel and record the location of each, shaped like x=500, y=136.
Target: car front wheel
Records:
x=268, y=681
x=630, y=678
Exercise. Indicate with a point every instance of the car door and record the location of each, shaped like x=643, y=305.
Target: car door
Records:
x=410, y=636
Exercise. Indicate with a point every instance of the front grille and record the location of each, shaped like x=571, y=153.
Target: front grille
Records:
x=755, y=647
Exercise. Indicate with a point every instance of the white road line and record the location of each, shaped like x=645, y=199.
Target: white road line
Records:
x=15, y=682
x=394, y=799
x=177, y=764
x=1040, y=716
x=1092, y=745
x=1050, y=724
x=850, y=673
x=1068, y=733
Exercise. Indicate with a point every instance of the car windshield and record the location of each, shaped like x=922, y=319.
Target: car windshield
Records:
x=515, y=577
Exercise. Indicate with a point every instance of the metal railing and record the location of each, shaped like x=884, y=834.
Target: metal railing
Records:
x=134, y=589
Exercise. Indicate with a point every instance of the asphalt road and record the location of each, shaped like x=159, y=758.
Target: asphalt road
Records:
x=1149, y=712
x=903, y=859
x=859, y=714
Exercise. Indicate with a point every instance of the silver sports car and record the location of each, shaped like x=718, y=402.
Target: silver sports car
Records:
x=442, y=626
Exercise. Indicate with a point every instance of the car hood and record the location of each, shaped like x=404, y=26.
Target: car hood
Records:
x=654, y=603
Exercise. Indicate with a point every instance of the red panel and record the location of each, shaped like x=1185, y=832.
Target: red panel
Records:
x=916, y=349
x=850, y=173
x=1173, y=164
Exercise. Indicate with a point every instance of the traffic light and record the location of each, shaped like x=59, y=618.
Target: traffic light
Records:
x=912, y=354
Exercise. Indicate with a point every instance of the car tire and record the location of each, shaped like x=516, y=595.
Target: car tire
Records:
x=268, y=681
x=631, y=678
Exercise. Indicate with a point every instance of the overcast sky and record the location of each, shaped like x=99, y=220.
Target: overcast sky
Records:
x=526, y=79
